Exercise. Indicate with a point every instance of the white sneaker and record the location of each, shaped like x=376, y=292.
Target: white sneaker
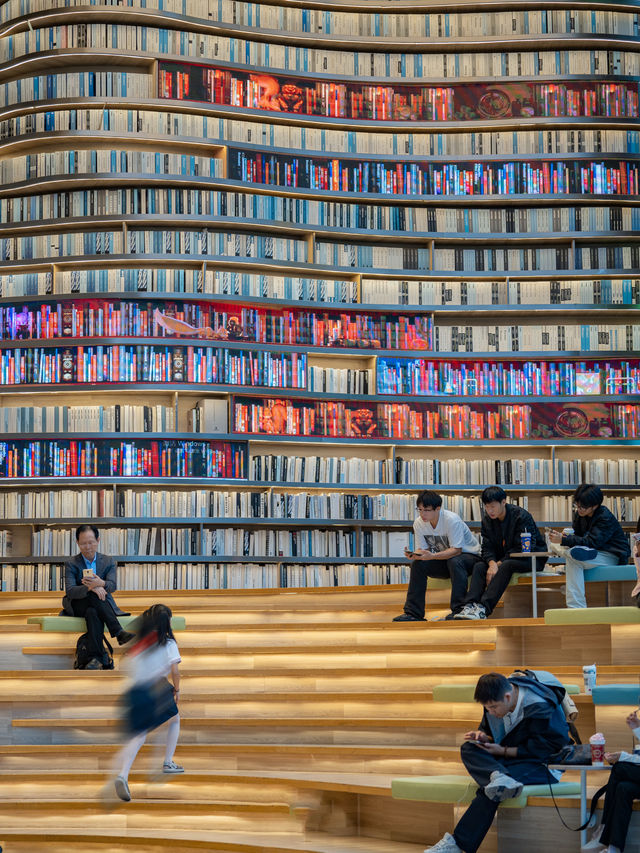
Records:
x=172, y=767
x=122, y=788
x=467, y=612
x=502, y=787
x=447, y=844
x=594, y=843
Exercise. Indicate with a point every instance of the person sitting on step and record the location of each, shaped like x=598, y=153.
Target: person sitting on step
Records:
x=623, y=788
x=523, y=726
x=502, y=527
x=597, y=540
x=444, y=548
x=90, y=579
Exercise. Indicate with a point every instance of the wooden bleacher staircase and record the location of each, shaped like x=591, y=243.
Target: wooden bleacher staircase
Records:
x=298, y=709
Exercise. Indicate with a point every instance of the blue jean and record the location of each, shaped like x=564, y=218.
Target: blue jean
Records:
x=575, y=575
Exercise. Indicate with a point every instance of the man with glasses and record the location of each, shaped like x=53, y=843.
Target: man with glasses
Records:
x=597, y=540
x=444, y=547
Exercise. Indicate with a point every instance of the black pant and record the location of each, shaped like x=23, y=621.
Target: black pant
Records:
x=457, y=569
x=489, y=596
x=476, y=821
x=97, y=614
x=622, y=789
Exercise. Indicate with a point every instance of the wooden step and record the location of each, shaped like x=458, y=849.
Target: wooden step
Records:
x=210, y=721
x=170, y=841
x=113, y=814
x=397, y=760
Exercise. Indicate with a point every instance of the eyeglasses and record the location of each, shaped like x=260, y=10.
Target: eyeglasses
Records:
x=578, y=507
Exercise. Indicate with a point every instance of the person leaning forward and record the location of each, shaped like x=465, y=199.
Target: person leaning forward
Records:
x=90, y=579
x=523, y=725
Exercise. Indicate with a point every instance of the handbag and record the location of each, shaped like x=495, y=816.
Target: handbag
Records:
x=574, y=753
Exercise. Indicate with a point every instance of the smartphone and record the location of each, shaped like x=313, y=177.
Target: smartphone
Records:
x=636, y=537
x=88, y=573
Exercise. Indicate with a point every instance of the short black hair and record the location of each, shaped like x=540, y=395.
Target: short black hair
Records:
x=83, y=529
x=429, y=499
x=491, y=687
x=588, y=494
x=493, y=493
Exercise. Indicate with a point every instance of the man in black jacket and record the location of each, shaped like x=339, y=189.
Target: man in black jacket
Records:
x=597, y=540
x=502, y=526
x=89, y=581
x=522, y=727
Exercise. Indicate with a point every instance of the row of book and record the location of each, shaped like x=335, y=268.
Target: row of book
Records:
x=223, y=322
x=52, y=164
x=346, y=255
x=155, y=503
x=183, y=242
x=75, y=84
x=404, y=102
x=516, y=178
x=585, y=337
x=592, y=257
x=59, y=503
x=378, y=291
x=340, y=381
x=155, y=575
x=549, y=379
x=131, y=541
x=320, y=214
x=605, y=291
x=133, y=458
x=279, y=57
x=184, y=129
x=120, y=417
x=542, y=421
x=560, y=507
x=209, y=366
x=197, y=365
x=362, y=23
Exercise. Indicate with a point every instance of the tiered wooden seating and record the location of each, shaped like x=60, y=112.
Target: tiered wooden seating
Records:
x=299, y=708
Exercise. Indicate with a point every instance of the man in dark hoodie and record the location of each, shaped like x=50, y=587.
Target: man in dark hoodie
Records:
x=522, y=727
x=502, y=526
x=597, y=540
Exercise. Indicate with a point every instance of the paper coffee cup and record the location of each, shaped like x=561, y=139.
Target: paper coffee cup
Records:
x=589, y=676
x=597, y=743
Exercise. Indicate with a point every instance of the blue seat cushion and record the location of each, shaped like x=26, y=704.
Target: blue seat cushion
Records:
x=616, y=694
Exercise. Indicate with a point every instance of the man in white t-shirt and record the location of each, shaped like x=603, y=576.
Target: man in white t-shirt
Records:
x=444, y=547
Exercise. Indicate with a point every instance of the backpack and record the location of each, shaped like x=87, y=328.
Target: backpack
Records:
x=83, y=656
x=567, y=703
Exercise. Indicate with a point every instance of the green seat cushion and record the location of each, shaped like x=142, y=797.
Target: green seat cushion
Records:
x=592, y=616
x=616, y=694
x=462, y=789
x=77, y=625
x=464, y=692
x=610, y=573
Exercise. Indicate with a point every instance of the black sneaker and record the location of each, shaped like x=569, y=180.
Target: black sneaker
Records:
x=406, y=617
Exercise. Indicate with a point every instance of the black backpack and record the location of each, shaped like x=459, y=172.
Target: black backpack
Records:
x=83, y=656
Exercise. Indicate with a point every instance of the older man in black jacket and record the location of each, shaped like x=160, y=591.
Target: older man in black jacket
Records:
x=502, y=526
x=90, y=579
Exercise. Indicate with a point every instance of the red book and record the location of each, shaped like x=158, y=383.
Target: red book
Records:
x=155, y=460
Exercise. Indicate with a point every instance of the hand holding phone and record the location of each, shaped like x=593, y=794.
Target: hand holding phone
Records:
x=88, y=573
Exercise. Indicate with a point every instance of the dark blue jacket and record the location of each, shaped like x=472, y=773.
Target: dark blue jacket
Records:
x=543, y=729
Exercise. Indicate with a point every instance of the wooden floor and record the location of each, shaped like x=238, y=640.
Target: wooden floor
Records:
x=298, y=709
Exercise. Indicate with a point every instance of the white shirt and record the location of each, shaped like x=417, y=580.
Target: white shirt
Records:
x=153, y=663
x=449, y=532
x=632, y=757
